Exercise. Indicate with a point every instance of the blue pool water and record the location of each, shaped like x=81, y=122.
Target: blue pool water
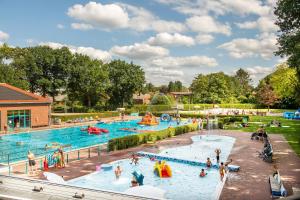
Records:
x=36, y=141
x=185, y=182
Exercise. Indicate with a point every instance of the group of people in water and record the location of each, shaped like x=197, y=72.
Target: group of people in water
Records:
x=118, y=170
x=223, y=167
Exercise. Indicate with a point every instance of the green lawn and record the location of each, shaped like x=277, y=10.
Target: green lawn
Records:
x=291, y=133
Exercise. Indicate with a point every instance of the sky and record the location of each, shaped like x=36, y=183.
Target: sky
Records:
x=170, y=39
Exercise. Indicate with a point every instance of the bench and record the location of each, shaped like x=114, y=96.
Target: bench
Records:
x=276, y=185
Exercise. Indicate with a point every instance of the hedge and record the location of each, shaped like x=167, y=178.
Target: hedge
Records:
x=142, y=138
x=151, y=108
x=207, y=106
x=161, y=108
x=85, y=115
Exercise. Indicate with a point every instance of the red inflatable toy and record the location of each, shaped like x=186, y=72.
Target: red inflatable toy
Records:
x=96, y=131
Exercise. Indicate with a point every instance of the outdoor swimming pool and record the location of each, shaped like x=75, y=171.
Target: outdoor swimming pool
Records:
x=17, y=145
x=185, y=182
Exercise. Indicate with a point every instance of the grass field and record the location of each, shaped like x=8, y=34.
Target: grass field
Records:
x=291, y=133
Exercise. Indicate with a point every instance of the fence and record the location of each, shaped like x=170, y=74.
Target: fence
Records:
x=22, y=167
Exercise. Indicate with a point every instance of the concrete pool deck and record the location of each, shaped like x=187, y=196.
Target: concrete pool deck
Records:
x=251, y=182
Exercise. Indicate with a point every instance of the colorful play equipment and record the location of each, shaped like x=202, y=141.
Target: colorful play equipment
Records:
x=139, y=177
x=162, y=170
x=292, y=115
x=149, y=120
x=165, y=118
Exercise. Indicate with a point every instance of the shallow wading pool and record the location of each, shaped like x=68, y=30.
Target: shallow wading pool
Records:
x=185, y=182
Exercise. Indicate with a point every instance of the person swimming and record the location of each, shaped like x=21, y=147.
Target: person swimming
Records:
x=202, y=173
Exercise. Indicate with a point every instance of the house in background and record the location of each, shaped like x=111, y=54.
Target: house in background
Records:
x=141, y=98
x=21, y=109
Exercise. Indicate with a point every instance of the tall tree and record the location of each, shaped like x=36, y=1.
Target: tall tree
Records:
x=244, y=80
x=125, y=79
x=288, y=20
x=266, y=95
x=213, y=88
x=88, y=81
x=8, y=72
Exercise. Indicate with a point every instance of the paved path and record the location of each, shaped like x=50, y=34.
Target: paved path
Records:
x=251, y=182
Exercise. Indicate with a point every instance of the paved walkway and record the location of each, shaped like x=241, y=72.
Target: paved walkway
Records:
x=251, y=182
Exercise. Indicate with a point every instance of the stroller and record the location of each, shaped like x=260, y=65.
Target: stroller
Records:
x=267, y=153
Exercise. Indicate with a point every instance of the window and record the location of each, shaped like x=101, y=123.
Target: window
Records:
x=18, y=119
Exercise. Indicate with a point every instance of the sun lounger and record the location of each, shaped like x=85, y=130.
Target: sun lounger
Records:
x=277, y=188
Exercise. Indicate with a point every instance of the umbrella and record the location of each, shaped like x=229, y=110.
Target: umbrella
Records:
x=146, y=191
x=54, y=178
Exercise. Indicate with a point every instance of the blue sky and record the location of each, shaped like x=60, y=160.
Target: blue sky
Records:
x=170, y=39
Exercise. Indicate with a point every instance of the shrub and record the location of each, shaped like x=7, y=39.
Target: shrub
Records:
x=85, y=115
x=135, y=140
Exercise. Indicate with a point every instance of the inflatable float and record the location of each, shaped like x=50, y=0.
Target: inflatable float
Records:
x=96, y=131
x=165, y=118
x=162, y=170
x=149, y=120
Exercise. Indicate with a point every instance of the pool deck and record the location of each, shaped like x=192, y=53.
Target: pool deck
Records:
x=251, y=182
x=65, y=124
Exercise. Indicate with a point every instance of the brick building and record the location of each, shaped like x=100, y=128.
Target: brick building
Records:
x=21, y=109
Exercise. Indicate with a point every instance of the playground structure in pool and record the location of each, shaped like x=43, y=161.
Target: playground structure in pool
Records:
x=162, y=170
x=149, y=120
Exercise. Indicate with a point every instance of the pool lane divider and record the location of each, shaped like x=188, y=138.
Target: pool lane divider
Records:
x=178, y=160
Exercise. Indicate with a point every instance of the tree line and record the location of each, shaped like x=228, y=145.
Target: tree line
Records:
x=86, y=81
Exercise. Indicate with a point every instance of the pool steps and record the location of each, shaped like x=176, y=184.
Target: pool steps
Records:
x=178, y=160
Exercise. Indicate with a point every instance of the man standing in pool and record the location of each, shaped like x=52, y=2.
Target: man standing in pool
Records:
x=218, y=151
x=118, y=172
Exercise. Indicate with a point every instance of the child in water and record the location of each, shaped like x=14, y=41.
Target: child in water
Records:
x=202, y=173
x=208, y=163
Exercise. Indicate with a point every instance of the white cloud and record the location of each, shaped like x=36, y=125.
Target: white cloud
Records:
x=3, y=36
x=60, y=26
x=259, y=70
x=82, y=26
x=143, y=20
x=119, y=16
x=264, y=24
x=218, y=7
x=188, y=61
x=167, y=39
x=247, y=25
x=139, y=51
x=207, y=24
x=107, y=16
x=264, y=46
x=162, y=75
x=88, y=51
x=168, y=26
x=204, y=39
